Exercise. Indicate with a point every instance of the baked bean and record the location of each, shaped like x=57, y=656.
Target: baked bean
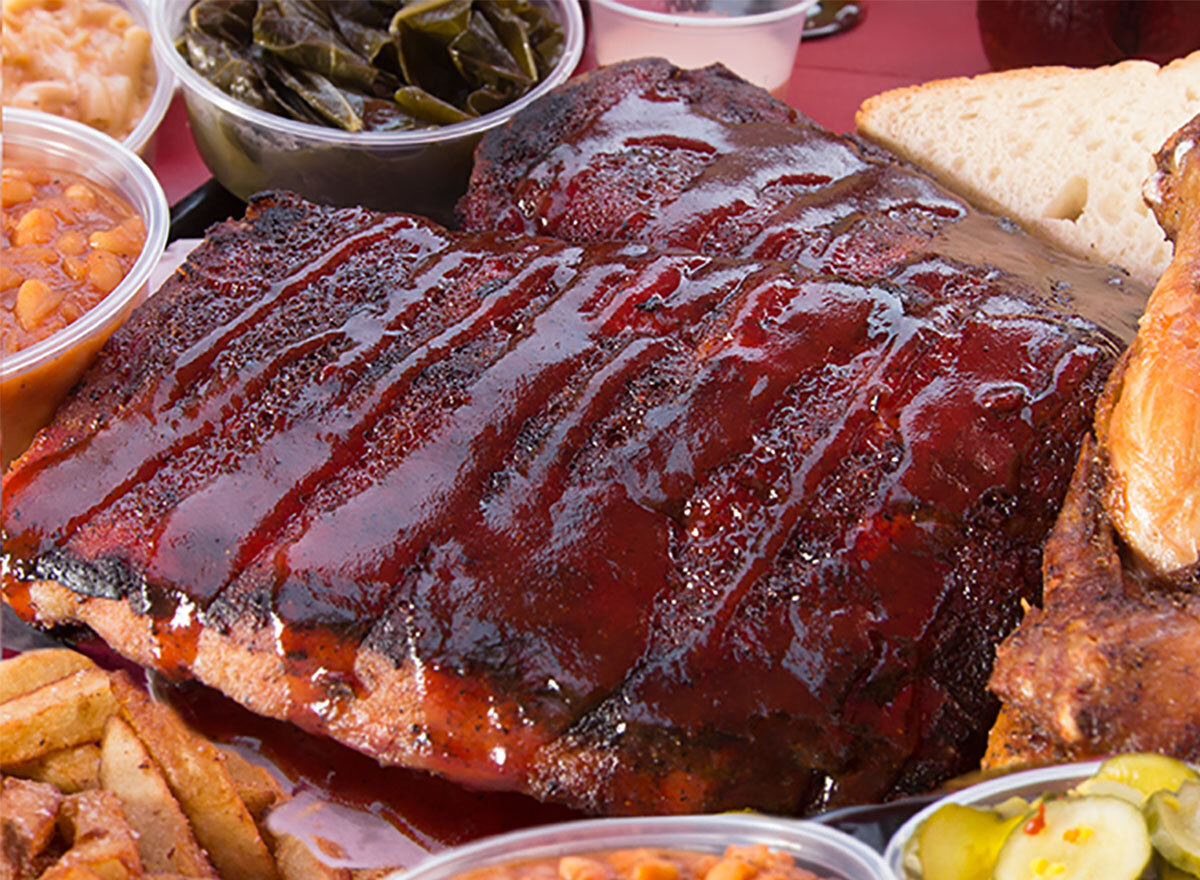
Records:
x=36, y=226
x=104, y=270
x=10, y=278
x=16, y=191
x=35, y=303
x=81, y=196
x=738, y=863
x=71, y=243
x=124, y=239
x=65, y=246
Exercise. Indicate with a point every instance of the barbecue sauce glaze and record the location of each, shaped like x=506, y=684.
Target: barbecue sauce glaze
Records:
x=643, y=529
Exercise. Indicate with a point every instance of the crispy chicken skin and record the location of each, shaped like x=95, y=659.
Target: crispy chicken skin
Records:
x=1152, y=432
x=1111, y=662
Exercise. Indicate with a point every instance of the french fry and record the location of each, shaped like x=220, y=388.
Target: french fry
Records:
x=27, y=814
x=29, y=671
x=71, y=770
x=63, y=713
x=72, y=872
x=196, y=773
x=101, y=840
x=165, y=840
x=255, y=785
x=297, y=862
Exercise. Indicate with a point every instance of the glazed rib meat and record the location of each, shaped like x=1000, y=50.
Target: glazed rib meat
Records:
x=629, y=527
x=699, y=159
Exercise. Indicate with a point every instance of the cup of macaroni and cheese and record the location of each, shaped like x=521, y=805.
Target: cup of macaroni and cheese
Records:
x=90, y=61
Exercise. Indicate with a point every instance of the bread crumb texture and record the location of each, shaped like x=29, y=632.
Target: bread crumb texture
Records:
x=1064, y=151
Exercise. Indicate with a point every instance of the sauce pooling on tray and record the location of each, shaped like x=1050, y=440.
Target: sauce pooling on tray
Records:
x=67, y=243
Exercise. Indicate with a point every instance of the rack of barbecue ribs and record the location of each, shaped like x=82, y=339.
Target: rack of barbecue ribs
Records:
x=633, y=525
x=1112, y=660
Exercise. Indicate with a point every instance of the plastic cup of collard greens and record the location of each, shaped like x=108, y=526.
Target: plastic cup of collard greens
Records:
x=359, y=104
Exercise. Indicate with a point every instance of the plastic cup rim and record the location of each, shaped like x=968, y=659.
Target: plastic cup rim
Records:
x=573, y=26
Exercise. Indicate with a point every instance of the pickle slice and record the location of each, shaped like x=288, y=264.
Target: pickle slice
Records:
x=1167, y=871
x=1174, y=821
x=1079, y=838
x=961, y=843
x=1144, y=772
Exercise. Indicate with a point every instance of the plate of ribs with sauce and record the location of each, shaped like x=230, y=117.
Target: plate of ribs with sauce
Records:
x=702, y=466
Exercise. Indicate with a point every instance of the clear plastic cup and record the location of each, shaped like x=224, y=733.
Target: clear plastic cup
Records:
x=422, y=172
x=1027, y=784
x=825, y=851
x=142, y=137
x=756, y=39
x=34, y=380
x=143, y=140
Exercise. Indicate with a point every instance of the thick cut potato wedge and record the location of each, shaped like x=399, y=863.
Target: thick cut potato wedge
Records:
x=101, y=840
x=297, y=862
x=70, y=770
x=27, y=815
x=165, y=840
x=29, y=671
x=255, y=785
x=196, y=774
x=72, y=872
x=63, y=713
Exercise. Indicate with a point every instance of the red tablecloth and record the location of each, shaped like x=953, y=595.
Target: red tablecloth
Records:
x=897, y=43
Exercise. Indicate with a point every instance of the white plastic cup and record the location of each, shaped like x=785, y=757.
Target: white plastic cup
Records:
x=756, y=39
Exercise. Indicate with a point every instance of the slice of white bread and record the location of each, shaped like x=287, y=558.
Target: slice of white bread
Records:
x=1064, y=151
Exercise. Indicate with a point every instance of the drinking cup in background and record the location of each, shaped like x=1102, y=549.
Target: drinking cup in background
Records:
x=756, y=39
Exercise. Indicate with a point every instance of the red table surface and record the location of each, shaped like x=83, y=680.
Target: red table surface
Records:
x=897, y=43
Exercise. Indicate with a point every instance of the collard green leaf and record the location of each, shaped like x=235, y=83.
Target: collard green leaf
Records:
x=514, y=33
x=304, y=33
x=484, y=100
x=441, y=20
x=232, y=69
x=424, y=64
x=422, y=105
x=376, y=65
x=319, y=96
x=230, y=20
x=364, y=26
x=482, y=58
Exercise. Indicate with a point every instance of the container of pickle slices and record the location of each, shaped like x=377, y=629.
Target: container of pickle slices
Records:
x=1131, y=817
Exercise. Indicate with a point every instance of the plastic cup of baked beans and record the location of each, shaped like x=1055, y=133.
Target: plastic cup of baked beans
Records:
x=703, y=847
x=37, y=375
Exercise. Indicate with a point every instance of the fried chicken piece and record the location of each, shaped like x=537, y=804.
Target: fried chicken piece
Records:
x=1152, y=432
x=1111, y=662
